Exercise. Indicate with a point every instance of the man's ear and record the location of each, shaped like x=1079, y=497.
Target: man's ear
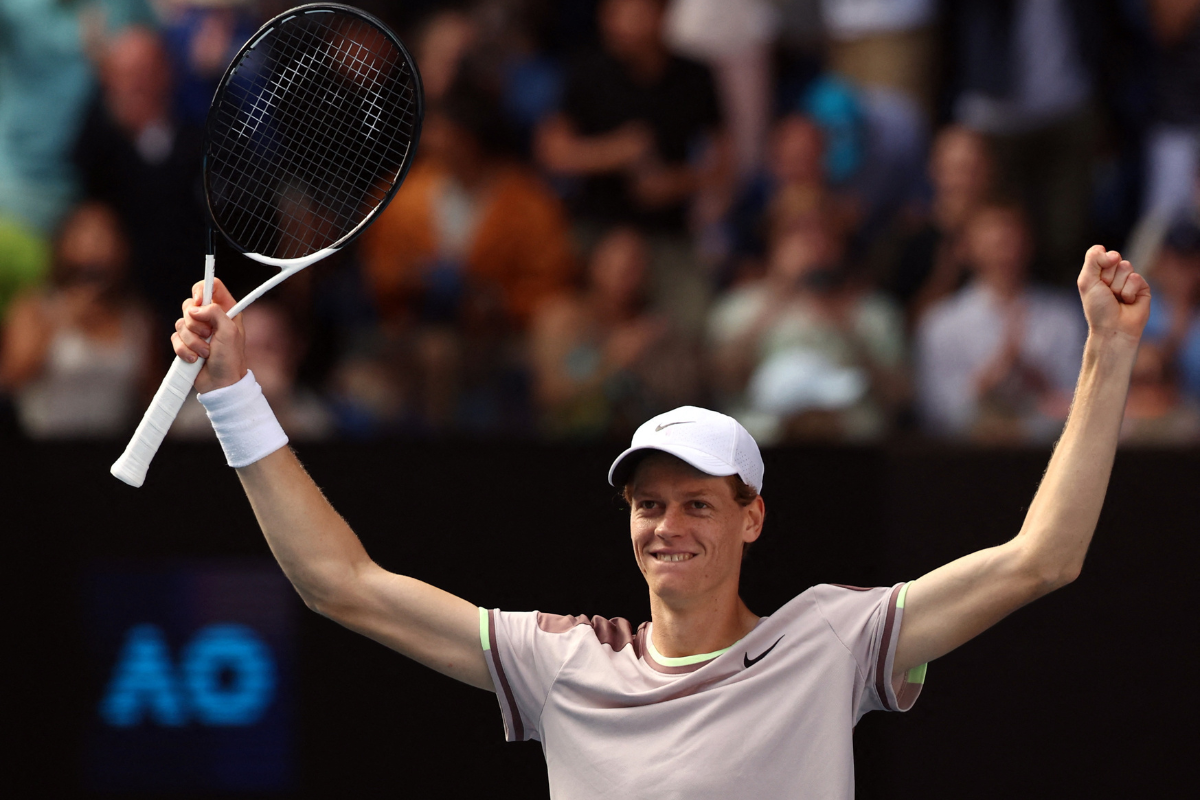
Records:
x=756, y=512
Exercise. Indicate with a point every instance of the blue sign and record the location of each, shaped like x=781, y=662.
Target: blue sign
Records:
x=196, y=694
x=146, y=683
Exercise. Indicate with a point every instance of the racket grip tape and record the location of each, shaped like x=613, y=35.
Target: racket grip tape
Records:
x=133, y=464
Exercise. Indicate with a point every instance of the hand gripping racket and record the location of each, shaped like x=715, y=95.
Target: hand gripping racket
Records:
x=310, y=133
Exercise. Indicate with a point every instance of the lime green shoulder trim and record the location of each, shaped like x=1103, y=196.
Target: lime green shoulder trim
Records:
x=483, y=629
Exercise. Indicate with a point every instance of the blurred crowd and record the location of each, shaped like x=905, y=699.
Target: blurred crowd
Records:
x=837, y=220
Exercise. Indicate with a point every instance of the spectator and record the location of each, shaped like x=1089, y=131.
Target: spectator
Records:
x=1173, y=141
x=444, y=42
x=997, y=361
x=136, y=157
x=640, y=130
x=1174, y=324
x=602, y=360
x=791, y=189
x=45, y=81
x=76, y=355
x=885, y=45
x=459, y=263
x=471, y=229
x=885, y=49
x=1026, y=80
x=273, y=352
x=808, y=351
x=202, y=38
x=1157, y=413
x=632, y=116
x=932, y=262
x=734, y=40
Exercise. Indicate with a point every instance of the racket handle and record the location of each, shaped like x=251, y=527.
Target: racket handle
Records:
x=131, y=467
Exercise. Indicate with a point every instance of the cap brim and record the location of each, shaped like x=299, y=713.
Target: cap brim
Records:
x=618, y=473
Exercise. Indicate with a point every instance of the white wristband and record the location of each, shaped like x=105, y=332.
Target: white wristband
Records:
x=245, y=425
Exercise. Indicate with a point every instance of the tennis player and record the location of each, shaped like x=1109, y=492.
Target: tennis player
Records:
x=707, y=699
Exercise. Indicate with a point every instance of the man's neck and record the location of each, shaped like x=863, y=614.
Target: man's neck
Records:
x=706, y=626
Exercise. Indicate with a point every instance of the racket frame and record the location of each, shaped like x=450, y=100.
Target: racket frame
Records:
x=134, y=463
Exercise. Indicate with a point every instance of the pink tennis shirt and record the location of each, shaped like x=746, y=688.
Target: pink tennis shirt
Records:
x=772, y=716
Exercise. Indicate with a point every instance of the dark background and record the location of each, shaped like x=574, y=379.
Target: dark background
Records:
x=1082, y=695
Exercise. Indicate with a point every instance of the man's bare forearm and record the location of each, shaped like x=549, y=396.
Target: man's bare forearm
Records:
x=313, y=544
x=1063, y=515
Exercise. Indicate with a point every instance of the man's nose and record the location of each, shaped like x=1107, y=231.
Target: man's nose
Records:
x=671, y=522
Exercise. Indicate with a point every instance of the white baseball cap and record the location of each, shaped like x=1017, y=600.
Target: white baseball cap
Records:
x=713, y=443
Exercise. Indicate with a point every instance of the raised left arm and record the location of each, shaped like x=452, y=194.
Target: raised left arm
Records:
x=956, y=602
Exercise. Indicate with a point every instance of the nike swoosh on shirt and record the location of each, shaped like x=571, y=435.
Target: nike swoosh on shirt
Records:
x=669, y=424
x=750, y=662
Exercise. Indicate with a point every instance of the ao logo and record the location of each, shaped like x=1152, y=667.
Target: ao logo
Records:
x=226, y=677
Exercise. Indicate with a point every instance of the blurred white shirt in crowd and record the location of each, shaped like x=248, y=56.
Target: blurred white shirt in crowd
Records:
x=961, y=335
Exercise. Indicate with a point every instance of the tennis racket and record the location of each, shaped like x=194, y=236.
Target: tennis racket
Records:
x=310, y=133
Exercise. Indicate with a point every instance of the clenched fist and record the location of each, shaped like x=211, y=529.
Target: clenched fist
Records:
x=1115, y=298
x=206, y=332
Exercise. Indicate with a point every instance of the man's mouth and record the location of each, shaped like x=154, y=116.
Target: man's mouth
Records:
x=673, y=556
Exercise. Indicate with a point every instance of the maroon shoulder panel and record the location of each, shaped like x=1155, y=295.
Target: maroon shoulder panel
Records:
x=616, y=633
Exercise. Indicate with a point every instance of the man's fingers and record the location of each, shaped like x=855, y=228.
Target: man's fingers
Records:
x=1093, y=265
x=1120, y=275
x=182, y=350
x=192, y=342
x=1135, y=287
x=1108, y=266
x=196, y=326
x=221, y=295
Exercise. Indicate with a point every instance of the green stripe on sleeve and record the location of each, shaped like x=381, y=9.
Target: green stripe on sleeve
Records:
x=903, y=594
x=483, y=629
x=916, y=674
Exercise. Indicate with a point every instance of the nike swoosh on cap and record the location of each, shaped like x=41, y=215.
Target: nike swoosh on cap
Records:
x=669, y=424
x=750, y=662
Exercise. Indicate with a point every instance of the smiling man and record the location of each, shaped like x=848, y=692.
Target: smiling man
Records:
x=707, y=699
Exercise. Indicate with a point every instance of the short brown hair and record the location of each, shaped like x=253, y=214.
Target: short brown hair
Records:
x=743, y=492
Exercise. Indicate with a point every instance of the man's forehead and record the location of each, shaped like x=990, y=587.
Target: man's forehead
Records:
x=657, y=465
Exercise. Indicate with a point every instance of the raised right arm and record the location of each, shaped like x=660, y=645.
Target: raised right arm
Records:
x=317, y=550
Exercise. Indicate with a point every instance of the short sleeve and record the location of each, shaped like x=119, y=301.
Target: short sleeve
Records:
x=867, y=622
x=523, y=659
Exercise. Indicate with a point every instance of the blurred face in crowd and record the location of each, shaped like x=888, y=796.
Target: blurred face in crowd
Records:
x=618, y=268
x=446, y=39
x=631, y=28
x=961, y=165
x=798, y=253
x=797, y=146
x=688, y=528
x=1177, y=273
x=91, y=248
x=270, y=349
x=999, y=246
x=137, y=80
x=452, y=146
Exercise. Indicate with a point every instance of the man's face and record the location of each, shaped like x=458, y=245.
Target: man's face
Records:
x=688, y=529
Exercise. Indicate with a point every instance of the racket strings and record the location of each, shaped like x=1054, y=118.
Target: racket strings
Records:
x=310, y=134
x=305, y=143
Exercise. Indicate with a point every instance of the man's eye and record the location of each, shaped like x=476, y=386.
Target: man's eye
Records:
x=648, y=504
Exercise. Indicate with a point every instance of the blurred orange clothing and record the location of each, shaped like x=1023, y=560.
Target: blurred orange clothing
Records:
x=519, y=245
